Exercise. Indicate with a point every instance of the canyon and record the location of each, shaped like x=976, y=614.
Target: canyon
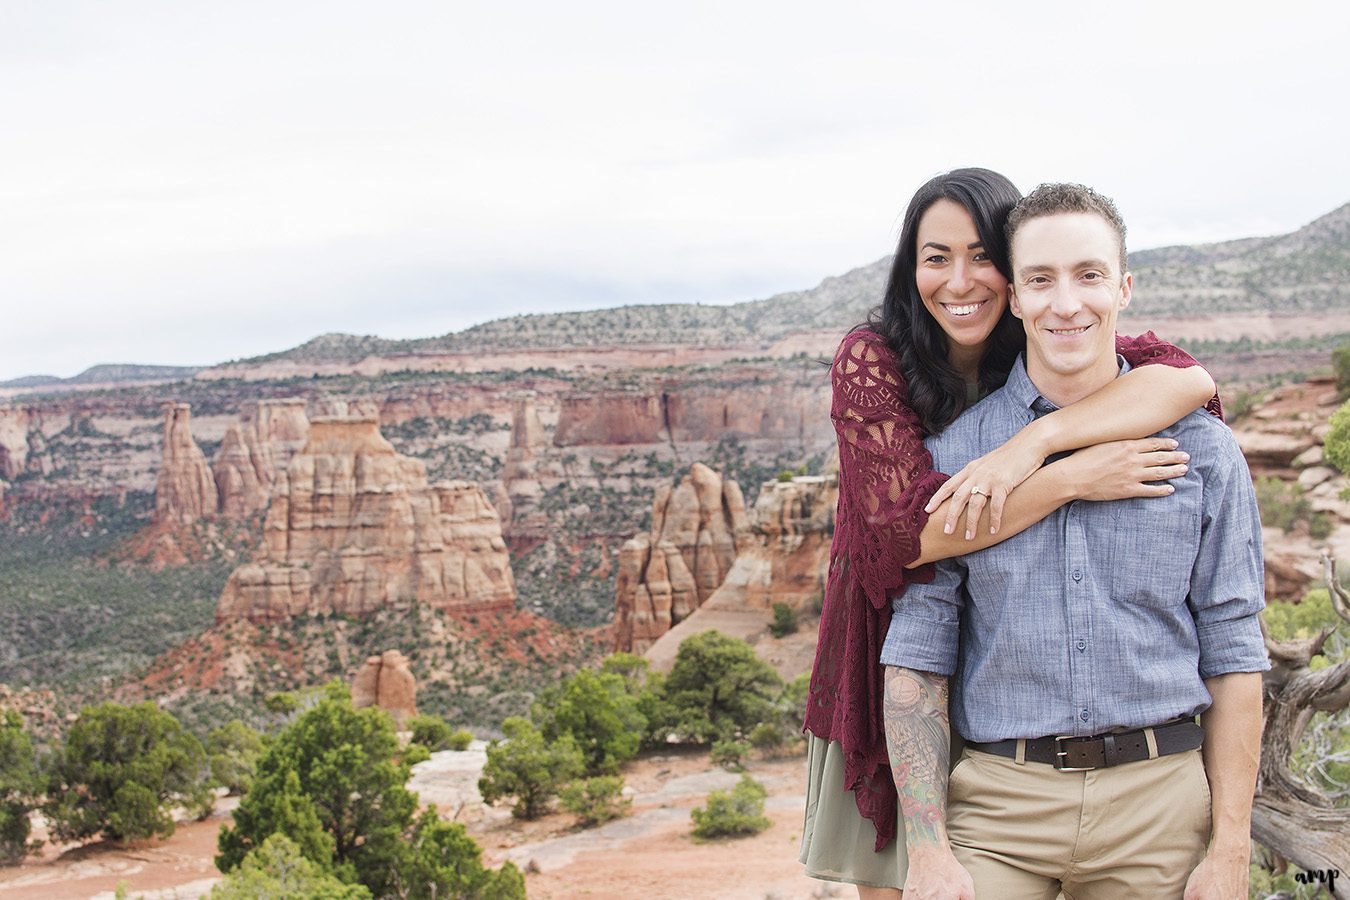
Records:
x=627, y=475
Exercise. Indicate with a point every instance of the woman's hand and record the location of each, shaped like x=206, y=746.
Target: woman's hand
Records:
x=1120, y=469
x=988, y=479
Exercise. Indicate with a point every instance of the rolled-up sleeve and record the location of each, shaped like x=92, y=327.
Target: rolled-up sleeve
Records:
x=1228, y=580
x=926, y=622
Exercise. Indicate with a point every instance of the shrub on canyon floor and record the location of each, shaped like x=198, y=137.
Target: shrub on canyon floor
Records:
x=461, y=740
x=445, y=863
x=334, y=781
x=122, y=771
x=599, y=713
x=595, y=801
x=733, y=813
x=784, y=621
x=527, y=767
x=278, y=868
x=19, y=788
x=233, y=750
x=1336, y=446
x=648, y=689
x=718, y=687
x=729, y=754
x=431, y=732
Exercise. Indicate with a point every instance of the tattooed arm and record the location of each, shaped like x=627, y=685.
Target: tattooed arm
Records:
x=918, y=738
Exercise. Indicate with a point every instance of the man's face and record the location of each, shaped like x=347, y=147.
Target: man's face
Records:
x=1068, y=291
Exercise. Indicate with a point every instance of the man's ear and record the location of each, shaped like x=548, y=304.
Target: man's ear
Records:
x=1126, y=287
x=1012, y=302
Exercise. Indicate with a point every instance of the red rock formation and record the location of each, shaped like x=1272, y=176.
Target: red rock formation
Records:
x=668, y=573
x=786, y=554
x=386, y=681
x=253, y=451
x=184, y=491
x=784, y=558
x=760, y=407
x=354, y=527
x=611, y=417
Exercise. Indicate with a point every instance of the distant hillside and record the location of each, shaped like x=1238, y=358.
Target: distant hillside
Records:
x=106, y=374
x=1308, y=269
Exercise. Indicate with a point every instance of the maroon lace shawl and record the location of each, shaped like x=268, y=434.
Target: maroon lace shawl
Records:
x=885, y=478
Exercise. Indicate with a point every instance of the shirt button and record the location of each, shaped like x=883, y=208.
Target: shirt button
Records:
x=1077, y=575
x=1081, y=645
x=1083, y=715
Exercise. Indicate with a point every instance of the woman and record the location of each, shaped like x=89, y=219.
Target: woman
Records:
x=943, y=337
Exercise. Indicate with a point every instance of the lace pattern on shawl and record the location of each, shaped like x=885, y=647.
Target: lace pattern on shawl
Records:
x=885, y=478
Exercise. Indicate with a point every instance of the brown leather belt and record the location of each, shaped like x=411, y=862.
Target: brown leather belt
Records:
x=1077, y=754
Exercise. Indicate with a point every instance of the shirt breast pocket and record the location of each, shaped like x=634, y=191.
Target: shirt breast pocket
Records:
x=1153, y=549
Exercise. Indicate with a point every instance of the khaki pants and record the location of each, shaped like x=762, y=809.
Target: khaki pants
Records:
x=1026, y=832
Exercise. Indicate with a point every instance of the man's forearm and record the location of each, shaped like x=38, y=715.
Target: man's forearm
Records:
x=918, y=738
x=1232, y=752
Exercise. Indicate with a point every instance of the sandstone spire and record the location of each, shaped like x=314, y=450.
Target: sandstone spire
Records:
x=532, y=467
x=254, y=450
x=184, y=491
x=666, y=574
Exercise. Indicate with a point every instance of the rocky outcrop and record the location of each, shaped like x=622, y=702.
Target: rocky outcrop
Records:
x=785, y=555
x=532, y=467
x=354, y=527
x=387, y=682
x=254, y=451
x=667, y=573
x=184, y=491
x=784, y=558
x=23, y=446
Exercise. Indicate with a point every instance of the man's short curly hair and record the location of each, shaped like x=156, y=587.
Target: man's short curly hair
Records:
x=1054, y=198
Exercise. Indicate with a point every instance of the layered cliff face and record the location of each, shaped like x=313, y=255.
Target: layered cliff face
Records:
x=23, y=447
x=245, y=467
x=750, y=405
x=354, y=526
x=532, y=467
x=386, y=681
x=184, y=491
x=667, y=573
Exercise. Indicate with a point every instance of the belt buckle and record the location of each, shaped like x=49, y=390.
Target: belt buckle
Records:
x=1060, y=754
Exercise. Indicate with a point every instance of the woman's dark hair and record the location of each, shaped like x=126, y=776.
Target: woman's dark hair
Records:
x=937, y=393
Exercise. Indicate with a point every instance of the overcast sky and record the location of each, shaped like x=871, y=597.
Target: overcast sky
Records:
x=190, y=182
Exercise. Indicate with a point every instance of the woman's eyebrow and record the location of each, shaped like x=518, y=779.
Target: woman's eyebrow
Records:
x=943, y=247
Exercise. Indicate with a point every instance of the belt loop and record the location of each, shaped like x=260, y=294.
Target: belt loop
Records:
x=1021, y=756
x=1152, y=740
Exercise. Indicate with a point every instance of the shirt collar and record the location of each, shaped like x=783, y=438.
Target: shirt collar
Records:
x=1024, y=394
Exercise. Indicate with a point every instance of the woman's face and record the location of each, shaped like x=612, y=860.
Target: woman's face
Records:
x=960, y=285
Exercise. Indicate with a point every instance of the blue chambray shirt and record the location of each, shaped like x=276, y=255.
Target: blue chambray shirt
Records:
x=1103, y=615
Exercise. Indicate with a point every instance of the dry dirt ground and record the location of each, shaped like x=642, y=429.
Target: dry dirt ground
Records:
x=648, y=854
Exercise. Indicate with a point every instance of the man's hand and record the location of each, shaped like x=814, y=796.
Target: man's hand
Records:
x=1220, y=876
x=934, y=874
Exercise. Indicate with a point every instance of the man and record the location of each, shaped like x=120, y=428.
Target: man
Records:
x=1084, y=647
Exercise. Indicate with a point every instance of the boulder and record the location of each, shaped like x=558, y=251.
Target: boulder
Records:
x=386, y=681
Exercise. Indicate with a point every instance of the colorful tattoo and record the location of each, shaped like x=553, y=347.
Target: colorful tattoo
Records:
x=918, y=738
